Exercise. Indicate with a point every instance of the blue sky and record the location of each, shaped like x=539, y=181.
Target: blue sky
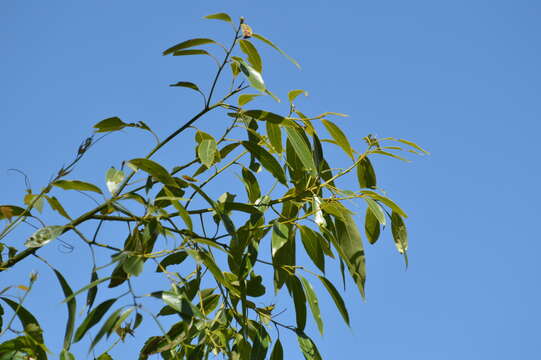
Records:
x=460, y=78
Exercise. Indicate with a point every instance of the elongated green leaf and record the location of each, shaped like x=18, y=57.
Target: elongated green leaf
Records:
x=154, y=169
x=113, y=179
x=338, y=136
x=188, y=44
x=312, y=246
x=264, y=115
x=400, y=234
x=270, y=43
x=377, y=211
x=106, y=328
x=206, y=152
x=26, y=318
x=274, y=133
x=219, y=16
x=350, y=247
x=252, y=55
x=181, y=209
x=338, y=301
x=186, y=84
x=190, y=52
x=246, y=98
x=277, y=351
x=92, y=292
x=89, y=286
x=371, y=226
x=76, y=185
x=366, y=174
x=280, y=234
x=267, y=160
x=302, y=149
x=56, y=206
x=254, y=77
x=92, y=319
x=294, y=286
x=386, y=201
x=313, y=302
x=307, y=346
x=171, y=259
x=252, y=186
x=413, y=145
x=181, y=304
x=72, y=308
x=133, y=265
x=66, y=355
x=386, y=153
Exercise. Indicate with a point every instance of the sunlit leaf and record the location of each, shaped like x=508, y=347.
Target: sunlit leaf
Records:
x=371, y=226
x=44, y=236
x=154, y=169
x=72, y=308
x=56, y=206
x=93, y=318
x=267, y=160
x=190, y=52
x=246, y=98
x=252, y=55
x=302, y=149
x=338, y=136
x=274, y=133
x=386, y=201
x=171, y=259
x=270, y=43
x=188, y=44
x=206, y=151
x=113, y=179
x=414, y=145
x=312, y=246
x=186, y=84
x=9, y=211
x=219, y=16
x=376, y=210
x=313, y=302
x=400, y=234
x=280, y=236
x=110, y=124
x=307, y=346
x=76, y=185
x=264, y=115
x=26, y=318
x=292, y=95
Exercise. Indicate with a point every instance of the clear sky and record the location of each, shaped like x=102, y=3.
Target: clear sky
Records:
x=461, y=78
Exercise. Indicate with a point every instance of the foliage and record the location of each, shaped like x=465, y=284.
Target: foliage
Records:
x=218, y=278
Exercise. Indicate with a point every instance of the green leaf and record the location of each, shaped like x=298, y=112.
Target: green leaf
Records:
x=376, y=210
x=181, y=304
x=299, y=299
x=307, y=346
x=181, y=209
x=171, y=259
x=267, y=160
x=76, y=185
x=133, y=265
x=246, y=98
x=93, y=318
x=72, y=308
x=107, y=327
x=252, y=55
x=56, y=206
x=219, y=16
x=44, y=236
x=252, y=186
x=113, y=179
x=66, y=355
x=154, y=169
x=386, y=201
x=338, y=301
x=206, y=152
x=188, y=44
x=302, y=149
x=110, y=124
x=313, y=302
x=274, y=133
x=338, y=136
x=400, y=234
x=190, y=52
x=292, y=95
x=254, y=77
x=371, y=226
x=270, y=43
x=186, y=84
x=381, y=152
x=104, y=356
x=413, y=145
x=89, y=286
x=264, y=115
x=9, y=211
x=92, y=292
x=277, y=351
x=26, y=318
x=312, y=246
x=349, y=245
x=366, y=174
x=280, y=235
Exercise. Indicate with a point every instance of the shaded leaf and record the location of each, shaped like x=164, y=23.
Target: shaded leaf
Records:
x=338, y=301
x=274, y=133
x=371, y=226
x=366, y=174
x=154, y=169
x=190, y=52
x=280, y=235
x=376, y=210
x=72, y=308
x=171, y=259
x=110, y=124
x=186, y=84
x=267, y=160
x=264, y=115
x=92, y=292
x=277, y=351
x=299, y=299
x=9, y=211
x=302, y=148
x=26, y=318
x=400, y=234
x=312, y=246
x=76, y=185
x=307, y=346
x=93, y=318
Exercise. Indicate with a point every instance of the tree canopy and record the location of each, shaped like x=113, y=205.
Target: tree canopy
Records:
x=222, y=255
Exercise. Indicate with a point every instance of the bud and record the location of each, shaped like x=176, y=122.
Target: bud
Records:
x=319, y=219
